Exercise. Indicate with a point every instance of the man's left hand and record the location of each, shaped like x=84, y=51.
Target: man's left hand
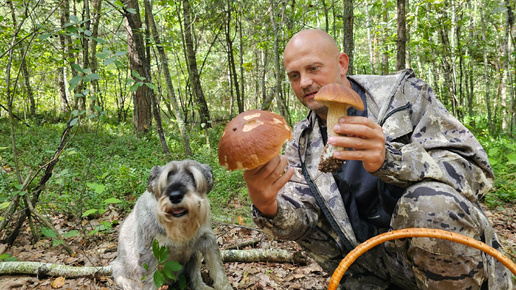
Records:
x=365, y=137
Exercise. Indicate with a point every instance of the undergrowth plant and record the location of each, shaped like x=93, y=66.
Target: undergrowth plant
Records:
x=166, y=269
x=501, y=151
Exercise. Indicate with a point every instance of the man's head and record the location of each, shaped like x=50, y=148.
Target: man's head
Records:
x=312, y=60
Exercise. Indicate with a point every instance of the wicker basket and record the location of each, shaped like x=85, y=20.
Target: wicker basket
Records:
x=414, y=233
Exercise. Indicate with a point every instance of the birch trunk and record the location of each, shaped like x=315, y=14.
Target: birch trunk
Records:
x=168, y=81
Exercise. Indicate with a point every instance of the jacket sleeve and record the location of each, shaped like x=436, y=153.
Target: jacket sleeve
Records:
x=297, y=209
x=438, y=148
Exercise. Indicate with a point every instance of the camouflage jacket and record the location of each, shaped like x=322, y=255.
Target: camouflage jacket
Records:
x=423, y=142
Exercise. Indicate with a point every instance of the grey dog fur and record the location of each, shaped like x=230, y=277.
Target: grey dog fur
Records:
x=189, y=237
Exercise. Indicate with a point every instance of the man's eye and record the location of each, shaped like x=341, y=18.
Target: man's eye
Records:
x=292, y=76
x=314, y=68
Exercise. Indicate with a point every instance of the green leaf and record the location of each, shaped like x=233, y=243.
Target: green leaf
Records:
x=512, y=158
x=112, y=200
x=72, y=233
x=89, y=212
x=74, y=18
x=4, y=204
x=74, y=122
x=56, y=243
x=99, y=40
x=44, y=36
x=93, y=232
x=136, y=75
x=172, y=266
x=98, y=188
x=122, y=52
x=159, y=279
x=74, y=81
x=76, y=67
x=109, y=61
x=72, y=29
x=132, y=11
x=48, y=233
x=493, y=152
x=135, y=87
x=145, y=266
x=152, y=86
x=94, y=76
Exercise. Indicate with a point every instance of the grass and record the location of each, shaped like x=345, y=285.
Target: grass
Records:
x=106, y=165
x=105, y=161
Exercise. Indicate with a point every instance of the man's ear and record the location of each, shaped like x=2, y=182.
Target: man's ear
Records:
x=343, y=61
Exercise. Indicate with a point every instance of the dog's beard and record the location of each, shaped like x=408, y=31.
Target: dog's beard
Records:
x=181, y=221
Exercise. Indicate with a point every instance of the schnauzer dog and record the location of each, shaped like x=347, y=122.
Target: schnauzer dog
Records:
x=175, y=211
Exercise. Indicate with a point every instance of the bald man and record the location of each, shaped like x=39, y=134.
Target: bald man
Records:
x=412, y=164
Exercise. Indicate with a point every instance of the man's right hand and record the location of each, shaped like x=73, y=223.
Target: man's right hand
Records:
x=265, y=181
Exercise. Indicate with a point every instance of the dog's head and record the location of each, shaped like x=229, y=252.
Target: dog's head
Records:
x=181, y=189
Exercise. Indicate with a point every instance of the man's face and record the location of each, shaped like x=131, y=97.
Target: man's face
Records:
x=309, y=67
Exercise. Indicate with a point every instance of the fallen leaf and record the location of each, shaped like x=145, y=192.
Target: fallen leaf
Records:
x=58, y=283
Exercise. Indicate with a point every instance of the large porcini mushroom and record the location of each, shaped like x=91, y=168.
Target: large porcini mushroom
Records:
x=252, y=138
x=338, y=98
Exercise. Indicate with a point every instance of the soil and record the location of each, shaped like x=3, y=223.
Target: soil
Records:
x=100, y=249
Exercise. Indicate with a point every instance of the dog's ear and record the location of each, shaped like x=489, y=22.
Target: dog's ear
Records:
x=208, y=175
x=153, y=179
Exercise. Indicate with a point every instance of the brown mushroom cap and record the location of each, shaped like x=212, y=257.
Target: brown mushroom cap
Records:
x=339, y=93
x=252, y=138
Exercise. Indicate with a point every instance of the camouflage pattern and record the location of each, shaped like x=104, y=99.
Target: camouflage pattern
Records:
x=444, y=170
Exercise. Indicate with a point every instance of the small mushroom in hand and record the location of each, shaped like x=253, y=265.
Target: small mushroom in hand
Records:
x=252, y=138
x=338, y=98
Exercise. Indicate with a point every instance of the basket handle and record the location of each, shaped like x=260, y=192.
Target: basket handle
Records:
x=415, y=233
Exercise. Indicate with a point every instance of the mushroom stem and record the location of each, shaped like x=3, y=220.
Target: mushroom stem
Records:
x=335, y=112
x=328, y=162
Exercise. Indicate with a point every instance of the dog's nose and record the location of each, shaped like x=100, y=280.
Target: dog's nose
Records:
x=176, y=196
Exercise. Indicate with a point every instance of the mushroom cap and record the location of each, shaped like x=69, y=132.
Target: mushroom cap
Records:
x=339, y=93
x=252, y=138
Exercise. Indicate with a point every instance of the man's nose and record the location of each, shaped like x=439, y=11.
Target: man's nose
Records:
x=306, y=81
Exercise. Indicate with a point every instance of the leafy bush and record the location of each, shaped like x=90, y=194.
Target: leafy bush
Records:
x=105, y=161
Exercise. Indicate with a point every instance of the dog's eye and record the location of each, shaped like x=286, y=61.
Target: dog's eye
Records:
x=171, y=173
x=191, y=175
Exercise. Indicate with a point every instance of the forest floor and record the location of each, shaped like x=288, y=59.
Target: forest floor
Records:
x=100, y=250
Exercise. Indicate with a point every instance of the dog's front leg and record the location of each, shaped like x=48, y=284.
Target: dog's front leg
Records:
x=193, y=272
x=213, y=260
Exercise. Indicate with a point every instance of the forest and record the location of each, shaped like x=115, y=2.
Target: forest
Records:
x=94, y=93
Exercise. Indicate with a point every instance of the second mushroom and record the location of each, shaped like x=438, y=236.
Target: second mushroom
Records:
x=338, y=98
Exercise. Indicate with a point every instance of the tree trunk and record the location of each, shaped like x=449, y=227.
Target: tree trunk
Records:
x=193, y=73
x=26, y=77
x=95, y=90
x=277, y=92
x=385, y=54
x=348, y=41
x=241, y=59
x=168, y=81
x=401, y=41
x=469, y=50
x=61, y=84
x=509, y=102
x=142, y=117
x=487, y=78
x=231, y=60
x=369, y=39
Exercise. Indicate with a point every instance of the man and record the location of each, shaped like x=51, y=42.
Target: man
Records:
x=412, y=164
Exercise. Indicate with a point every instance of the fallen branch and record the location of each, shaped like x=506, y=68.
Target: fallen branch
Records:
x=57, y=270
x=49, y=269
x=261, y=255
